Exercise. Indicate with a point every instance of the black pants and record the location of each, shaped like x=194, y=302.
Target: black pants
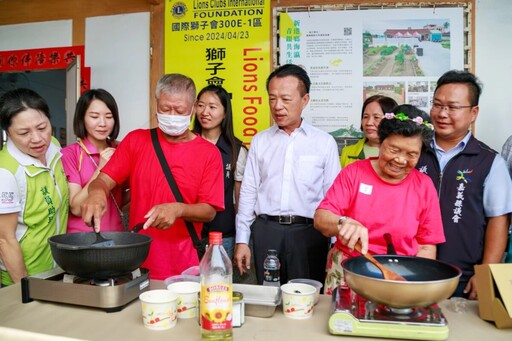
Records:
x=302, y=250
x=459, y=291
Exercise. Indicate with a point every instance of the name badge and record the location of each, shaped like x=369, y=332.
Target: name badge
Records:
x=365, y=189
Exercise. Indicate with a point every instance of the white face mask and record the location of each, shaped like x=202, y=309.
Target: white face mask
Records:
x=173, y=125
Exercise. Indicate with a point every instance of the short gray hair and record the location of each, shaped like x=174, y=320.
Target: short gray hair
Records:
x=177, y=84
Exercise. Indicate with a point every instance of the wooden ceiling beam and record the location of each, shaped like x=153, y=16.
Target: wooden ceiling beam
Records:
x=29, y=11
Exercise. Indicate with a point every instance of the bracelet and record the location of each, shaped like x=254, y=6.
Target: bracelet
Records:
x=341, y=221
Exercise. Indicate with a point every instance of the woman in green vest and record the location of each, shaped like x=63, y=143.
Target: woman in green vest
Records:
x=373, y=111
x=33, y=187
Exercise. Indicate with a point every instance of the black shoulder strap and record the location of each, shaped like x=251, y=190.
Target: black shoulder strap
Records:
x=172, y=184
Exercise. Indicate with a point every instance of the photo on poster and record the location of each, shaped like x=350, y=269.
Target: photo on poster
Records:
x=418, y=86
x=385, y=87
x=406, y=48
x=422, y=102
x=432, y=85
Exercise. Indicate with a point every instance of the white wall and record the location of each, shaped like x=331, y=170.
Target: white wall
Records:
x=117, y=50
x=38, y=35
x=494, y=68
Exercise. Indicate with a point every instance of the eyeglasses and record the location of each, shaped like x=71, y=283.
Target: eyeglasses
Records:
x=450, y=108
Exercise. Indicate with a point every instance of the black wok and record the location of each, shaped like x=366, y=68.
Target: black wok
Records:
x=74, y=254
x=428, y=281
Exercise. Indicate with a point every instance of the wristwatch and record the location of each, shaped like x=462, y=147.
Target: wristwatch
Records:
x=341, y=221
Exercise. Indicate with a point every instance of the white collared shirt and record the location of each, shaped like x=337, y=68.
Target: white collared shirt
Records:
x=286, y=175
x=26, y=160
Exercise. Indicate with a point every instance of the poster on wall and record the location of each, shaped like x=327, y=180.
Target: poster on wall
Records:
x=226, y=43
x=352, y=55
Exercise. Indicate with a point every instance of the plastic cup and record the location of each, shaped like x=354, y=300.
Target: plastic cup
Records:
x=298, y=300
x=458, y=305
x=181, y=278
x=187, y=298
x=192, y=271
x=312, y=282
x=159, y=309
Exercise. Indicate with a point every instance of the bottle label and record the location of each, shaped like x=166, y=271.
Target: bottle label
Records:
x=216, y=306
x=271, y=275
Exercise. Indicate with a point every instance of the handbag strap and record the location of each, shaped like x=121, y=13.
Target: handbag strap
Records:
x=172, y=184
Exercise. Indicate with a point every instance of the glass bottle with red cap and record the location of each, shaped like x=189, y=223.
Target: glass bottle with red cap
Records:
x=216, y=272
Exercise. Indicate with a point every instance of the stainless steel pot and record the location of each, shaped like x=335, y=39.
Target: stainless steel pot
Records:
x=428, y=281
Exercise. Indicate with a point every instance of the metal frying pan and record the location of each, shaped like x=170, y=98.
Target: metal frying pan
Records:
x=428, y=281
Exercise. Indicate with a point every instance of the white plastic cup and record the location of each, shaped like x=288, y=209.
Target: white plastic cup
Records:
x=159, y=309
x=187, y=298
x=298, y=299
x=312, y=282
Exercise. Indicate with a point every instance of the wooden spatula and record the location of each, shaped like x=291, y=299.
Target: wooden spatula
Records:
x=387, y=273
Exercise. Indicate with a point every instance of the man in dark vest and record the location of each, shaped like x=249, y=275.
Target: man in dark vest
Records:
x=475, y=189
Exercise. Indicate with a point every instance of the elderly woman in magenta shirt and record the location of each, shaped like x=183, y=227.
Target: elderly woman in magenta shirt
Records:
x=384, y=194
x=96, y=125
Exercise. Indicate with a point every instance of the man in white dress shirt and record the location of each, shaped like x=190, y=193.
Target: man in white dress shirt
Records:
x=290, y=167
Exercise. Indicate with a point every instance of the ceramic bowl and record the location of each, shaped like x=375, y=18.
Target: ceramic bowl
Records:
x=298, y=300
